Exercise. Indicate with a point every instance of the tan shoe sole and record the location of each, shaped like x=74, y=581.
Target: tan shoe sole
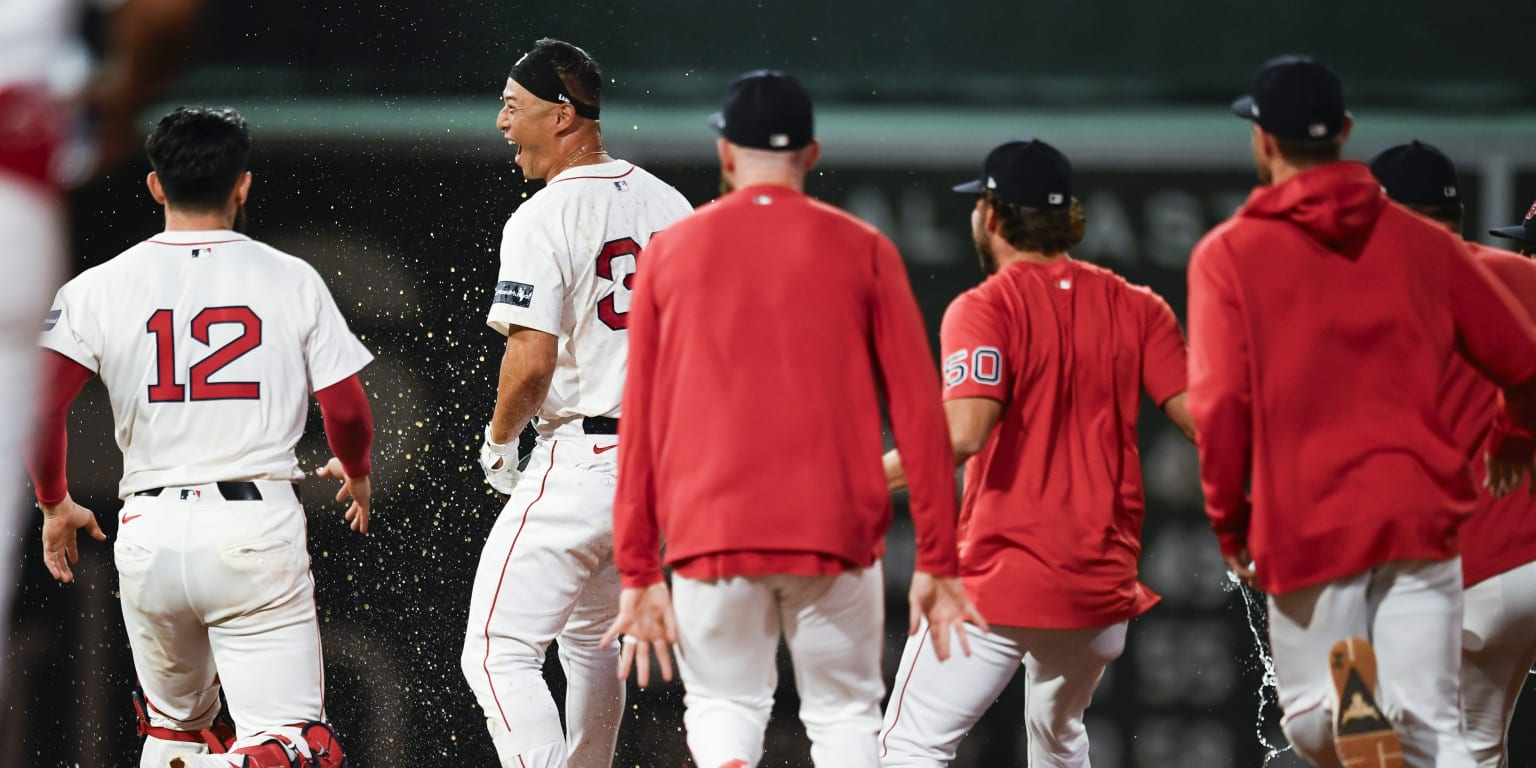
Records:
x=1362, y=735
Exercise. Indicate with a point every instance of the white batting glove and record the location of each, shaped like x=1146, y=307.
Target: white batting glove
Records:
x=500, y=464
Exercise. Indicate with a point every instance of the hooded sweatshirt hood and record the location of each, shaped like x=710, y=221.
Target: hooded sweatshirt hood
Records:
x=1336, y=204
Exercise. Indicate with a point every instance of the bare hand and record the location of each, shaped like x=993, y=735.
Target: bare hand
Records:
x=943, y=602
x=648, y=624
x=1241, y=564
x=359, y=489
x=60, y=522
x=1505, y=476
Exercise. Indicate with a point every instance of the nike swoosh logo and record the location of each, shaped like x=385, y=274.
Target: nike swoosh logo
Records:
x=130, y=518
x=604, y=448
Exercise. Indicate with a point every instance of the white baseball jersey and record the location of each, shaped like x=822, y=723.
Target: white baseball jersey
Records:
x=39, y=44
x=568, y=256
x=209, y=344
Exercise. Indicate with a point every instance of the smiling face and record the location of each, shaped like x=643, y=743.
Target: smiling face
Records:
x=526, y=120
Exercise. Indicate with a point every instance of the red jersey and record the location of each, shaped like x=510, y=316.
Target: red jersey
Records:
x=1501, y=533
x=1321, y=318
x=763, y=329
x=1050, y=523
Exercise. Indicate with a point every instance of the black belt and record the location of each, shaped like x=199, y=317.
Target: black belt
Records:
x=600, y=425
x=231, y=491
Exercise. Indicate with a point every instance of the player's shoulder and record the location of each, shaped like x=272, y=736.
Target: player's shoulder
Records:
x=1115, y=282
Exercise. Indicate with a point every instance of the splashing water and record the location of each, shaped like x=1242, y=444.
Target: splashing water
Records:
x=1269, y=685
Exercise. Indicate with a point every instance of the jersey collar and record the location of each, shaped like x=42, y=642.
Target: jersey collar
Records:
x=197, y=237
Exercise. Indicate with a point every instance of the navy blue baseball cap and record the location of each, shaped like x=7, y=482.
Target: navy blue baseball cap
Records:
x=1028, y=173
x=766, y=109
x=1417, y=174
x=1295, y=97
x=1525, y=231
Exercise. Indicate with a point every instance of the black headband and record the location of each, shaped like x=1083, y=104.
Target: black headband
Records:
x=536, y=72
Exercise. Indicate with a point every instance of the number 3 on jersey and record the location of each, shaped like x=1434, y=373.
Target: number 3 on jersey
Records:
x=162, y=326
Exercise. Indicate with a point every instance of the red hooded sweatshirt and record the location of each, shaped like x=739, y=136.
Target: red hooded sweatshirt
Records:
x=1321, y=320
x=1501, y=533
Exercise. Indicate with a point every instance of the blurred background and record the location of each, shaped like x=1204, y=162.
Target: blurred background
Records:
x=377, y=159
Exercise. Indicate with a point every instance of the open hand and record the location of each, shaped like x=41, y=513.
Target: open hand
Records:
x=649, y=626
x=942, y=601
x=358, y=489
x=60, y=522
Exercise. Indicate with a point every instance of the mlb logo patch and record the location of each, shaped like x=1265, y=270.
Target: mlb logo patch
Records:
x=621, y=185
x=204, y=251
x=191, y=494
x=514, y=293
x=52, y=319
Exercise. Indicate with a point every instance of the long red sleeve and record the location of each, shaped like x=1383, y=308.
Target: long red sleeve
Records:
x=916, y=409
x=1493, y=335
x=1220, y=394
x=348, y=424
x=62, y=381
x=636, y=533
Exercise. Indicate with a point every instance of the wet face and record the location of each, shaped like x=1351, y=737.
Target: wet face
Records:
x=981, y=238
x=523, y=121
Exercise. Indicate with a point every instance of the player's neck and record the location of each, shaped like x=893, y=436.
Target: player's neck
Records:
x=1006, y=256
x=197, y=221
x=583, y=148
x=769, y=178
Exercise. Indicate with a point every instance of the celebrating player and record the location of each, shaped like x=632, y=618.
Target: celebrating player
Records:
x=35, y=48
x=1320, y=320
x=774, y=524
x=568, y=256
x=1524, y=233
x=209, y=344
x=1044, y=365
x=1498, y=542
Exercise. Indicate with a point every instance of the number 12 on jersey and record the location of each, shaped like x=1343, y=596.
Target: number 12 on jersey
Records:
x=162, y=326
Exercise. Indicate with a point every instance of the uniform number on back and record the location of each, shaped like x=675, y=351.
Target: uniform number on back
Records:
x=162, y=326
x=984, y=366
x=617, y=262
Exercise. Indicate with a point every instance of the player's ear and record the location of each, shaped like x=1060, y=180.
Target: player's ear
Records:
x=812, y=154
x=1349, y=125
x=243, y=188
x=155, y=190
x=727, y=156
x=990, y=222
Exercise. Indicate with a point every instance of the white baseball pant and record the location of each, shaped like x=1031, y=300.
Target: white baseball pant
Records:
x=936, y=703
x=218, y=594
x=729, y=631
x=1411, y=613
x=32, y=227
x=1498, y=636
x=547, y=571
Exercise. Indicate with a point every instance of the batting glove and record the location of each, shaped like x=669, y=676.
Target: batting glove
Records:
x=500, y=464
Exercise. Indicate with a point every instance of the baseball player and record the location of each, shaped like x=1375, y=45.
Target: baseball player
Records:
x=41, y=71
x=1524, y=233
x=774, y=524
x=568, y=260
x=1044, y=365
x=209, y=344
x=1498, y=542
x=1320, y=320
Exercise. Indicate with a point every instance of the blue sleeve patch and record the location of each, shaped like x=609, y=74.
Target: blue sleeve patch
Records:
x=52, y=319
x=514, y=293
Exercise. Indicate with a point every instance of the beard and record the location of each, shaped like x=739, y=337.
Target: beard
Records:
x=985, y=256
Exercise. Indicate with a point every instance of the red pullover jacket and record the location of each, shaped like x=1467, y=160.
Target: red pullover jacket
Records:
x=1321, y=320
x=763, y=330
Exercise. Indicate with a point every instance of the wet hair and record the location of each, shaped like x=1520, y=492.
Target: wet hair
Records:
x=577, y=70
x=1449, y=215
x=199, y=154
x=1309, y=153
x=1043, y=230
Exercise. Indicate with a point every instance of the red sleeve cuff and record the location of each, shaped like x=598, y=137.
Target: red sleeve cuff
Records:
x=641, y=579
x=1232, y=542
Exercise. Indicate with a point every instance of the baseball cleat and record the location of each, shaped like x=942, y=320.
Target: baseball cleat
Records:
x=1362, y=735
